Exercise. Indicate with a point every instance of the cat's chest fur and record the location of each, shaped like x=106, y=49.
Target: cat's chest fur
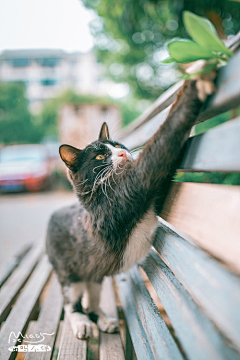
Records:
x=140, y=240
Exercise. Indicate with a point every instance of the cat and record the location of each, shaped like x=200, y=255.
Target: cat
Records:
x=112, y=226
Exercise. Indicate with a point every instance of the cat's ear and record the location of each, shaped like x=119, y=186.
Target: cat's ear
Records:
x=69, y=155
x=104, y=132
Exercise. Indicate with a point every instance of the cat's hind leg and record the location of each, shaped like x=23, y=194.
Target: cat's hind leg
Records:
x=105, y=323
x=80, y=323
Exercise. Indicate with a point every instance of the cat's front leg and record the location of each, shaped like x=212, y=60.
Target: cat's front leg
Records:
x=80, y=323
x=105, y=323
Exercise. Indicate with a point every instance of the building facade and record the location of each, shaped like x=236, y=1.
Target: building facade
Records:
x=79, y=125
x=46, y=73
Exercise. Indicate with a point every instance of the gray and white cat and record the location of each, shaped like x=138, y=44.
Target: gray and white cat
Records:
x=113, y=224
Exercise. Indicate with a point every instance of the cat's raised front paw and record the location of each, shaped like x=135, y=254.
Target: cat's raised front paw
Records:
x=108, y=325
x=205, y=82
x=82, y=328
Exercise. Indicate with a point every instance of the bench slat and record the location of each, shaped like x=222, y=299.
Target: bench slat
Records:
x=21, y=312
x=49, y=318
x=30, y=330
x=71, y=348
x=158, y=336
x=215, y=289
x=110, y=344
x=110, y=347
x=216, y=150
x=8, y=265
x=209, y=214
x=16, y=281
x=228, y=90
x=58, y=341
x=194, y=330
x=141, y=345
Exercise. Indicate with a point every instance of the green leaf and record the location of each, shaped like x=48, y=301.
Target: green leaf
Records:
x=168, y=61
x=186, y=51
x=204, y=33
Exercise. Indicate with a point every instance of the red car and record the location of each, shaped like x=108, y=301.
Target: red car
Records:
x=24, y=167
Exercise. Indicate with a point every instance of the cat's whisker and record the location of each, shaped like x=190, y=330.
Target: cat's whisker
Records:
x=89, y=141
x=98, y=167
x=97, y=177
x=81, y=182
x=115, y=134
x=95, y=182
x=109, y=182
x=120, y=120
x=119, y=172
x=102, y=172
x=136, y=149
x=105, y=192
x=84, y=193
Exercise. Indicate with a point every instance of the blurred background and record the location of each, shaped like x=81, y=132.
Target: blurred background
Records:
x=67, y=66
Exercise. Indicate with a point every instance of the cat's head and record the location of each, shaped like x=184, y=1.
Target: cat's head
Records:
x=100, y=160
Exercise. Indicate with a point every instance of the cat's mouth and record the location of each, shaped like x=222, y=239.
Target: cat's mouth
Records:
x=121, y=159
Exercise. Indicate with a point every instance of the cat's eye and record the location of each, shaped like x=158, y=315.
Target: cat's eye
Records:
x=117, y=146
x=100, y=157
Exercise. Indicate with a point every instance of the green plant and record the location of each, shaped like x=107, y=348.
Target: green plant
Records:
x=206, y=45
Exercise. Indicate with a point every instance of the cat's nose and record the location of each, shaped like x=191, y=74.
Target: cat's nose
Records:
x=122, y=154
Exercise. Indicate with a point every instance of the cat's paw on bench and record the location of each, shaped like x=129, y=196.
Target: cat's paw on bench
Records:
x=107, y=324
x=81, y=326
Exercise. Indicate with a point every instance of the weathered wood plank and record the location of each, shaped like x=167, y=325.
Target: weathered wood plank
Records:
x=215, y=289
x=157, y=334
x=18, y=319
x=216, y=150
x=93, y=344
x=30, y=330
x=228, y=90
x=160, y=340
x=209, y=214
x=110, y=347
x=16, y=281
x=138, y=335
x=8, y=265
x=71, y=348
x=194, y=330
x=49, y=318
x=58, y=341
x=110, y=344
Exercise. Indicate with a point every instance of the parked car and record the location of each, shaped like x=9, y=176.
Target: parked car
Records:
x=24, y=167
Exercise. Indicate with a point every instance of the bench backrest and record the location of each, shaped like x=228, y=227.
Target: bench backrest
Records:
x=195, y=266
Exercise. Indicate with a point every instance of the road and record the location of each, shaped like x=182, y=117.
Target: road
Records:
x=24, y=218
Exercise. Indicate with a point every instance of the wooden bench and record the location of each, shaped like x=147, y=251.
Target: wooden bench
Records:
x=183, y=301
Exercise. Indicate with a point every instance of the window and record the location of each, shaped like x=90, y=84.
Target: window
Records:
x=21, y=62
x=49, y=62
x=48, y=82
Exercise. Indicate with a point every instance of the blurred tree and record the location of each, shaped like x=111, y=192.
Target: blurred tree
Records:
x=15, y=119
x=130, y=36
